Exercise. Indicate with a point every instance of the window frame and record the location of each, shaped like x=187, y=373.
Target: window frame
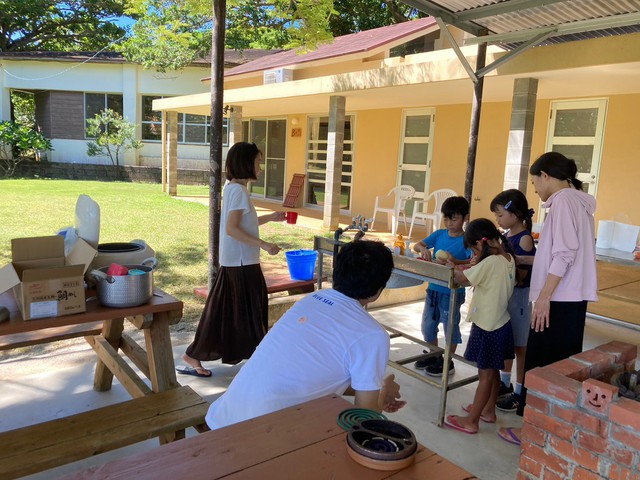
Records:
x=182, y=125
x=315, y=170
x=106, y=106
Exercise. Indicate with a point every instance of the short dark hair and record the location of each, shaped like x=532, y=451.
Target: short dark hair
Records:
x=241, y=159
x=455, y=206
x=558, y=166
x=362, y=268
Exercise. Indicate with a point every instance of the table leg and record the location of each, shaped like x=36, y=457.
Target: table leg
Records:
x=162, y=368
x=112, y=332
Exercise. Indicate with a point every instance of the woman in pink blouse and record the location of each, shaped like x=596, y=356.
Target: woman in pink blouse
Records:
x=563, y=279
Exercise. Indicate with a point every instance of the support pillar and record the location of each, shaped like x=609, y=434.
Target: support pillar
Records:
x=172, y=166
x=235, y=125
x=163, y=150
x=523, y=111
x=335, y=147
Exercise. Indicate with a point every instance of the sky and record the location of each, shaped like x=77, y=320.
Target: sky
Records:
x=124, y=22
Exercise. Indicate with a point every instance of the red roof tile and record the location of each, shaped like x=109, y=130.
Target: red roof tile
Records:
x=344, y=45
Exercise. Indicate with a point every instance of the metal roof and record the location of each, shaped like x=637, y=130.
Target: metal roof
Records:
x=510, y=22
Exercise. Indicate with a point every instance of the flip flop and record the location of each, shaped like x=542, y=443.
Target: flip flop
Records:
x=451, y=422
x=467, y=409
x=508, y=435
x=186, y=370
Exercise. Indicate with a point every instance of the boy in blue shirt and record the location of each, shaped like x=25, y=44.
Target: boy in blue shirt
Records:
x=455, y=211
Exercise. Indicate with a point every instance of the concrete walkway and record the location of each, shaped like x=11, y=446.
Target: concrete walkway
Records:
x=59, y=383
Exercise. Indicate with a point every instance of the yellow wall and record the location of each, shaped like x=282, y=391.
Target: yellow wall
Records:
x=376, y=158
x=618, y=187
x=451, y=138
x=493, y=140
x=377, y=143
x=618, y=193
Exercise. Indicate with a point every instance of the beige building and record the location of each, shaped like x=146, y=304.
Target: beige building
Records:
x=406, y=102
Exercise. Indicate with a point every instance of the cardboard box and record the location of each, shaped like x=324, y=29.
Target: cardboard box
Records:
x=44, y=281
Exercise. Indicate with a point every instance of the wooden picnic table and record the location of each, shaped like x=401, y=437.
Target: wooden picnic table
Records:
x=153, y=318
x=164, y=409
x=303, y=441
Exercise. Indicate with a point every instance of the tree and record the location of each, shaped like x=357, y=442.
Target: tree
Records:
x=359, y=15
x=23, y=107
x=170, y=34
x=18, y=142
x=58, y=26
x=113, y=136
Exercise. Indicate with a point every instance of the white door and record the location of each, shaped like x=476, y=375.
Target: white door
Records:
x=271, y=138
x=414, y=164
x=576, y=129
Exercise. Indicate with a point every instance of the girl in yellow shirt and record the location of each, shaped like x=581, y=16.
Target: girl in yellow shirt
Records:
x=491, y=340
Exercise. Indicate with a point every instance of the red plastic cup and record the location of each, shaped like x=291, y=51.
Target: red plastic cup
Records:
x=292, y=217
x=115, y=270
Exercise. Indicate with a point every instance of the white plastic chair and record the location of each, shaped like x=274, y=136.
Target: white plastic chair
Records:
x=439, y=196
x=400, y=196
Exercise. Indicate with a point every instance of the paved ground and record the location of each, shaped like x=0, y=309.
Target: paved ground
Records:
x=43, y=383
x=58, y=382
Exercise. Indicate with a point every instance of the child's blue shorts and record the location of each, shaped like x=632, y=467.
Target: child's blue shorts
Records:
x=436, y=311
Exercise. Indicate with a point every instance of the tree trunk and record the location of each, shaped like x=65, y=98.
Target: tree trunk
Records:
x=215, y=152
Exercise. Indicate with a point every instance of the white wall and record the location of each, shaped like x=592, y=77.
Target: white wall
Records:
x=132, y=81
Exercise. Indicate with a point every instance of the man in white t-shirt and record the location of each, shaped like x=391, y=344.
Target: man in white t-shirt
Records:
x=326, y=343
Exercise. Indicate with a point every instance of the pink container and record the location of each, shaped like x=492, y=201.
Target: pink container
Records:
x=116, y=270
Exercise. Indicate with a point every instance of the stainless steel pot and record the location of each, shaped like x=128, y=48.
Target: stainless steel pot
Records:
x=121, y=291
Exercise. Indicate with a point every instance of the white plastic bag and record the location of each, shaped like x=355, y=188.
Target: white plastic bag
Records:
x=88, y=220
x=70, y=238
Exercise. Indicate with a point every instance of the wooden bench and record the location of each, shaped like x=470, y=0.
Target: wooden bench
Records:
x=274, y=285
x=57, y=442
x=54, y=334
x=278, y=280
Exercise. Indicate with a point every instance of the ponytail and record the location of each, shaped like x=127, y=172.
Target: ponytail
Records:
x=482, y=230
x=515, y=202
x=577, y=184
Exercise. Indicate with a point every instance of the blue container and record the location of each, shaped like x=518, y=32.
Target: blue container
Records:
x=302, y=264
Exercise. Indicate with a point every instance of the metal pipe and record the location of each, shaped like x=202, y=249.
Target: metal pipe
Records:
x=614, y=321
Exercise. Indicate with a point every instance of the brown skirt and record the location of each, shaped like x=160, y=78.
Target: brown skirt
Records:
x=234, y=319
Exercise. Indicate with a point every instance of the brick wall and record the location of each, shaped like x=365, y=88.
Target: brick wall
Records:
x=86, y=171
x=575, y=424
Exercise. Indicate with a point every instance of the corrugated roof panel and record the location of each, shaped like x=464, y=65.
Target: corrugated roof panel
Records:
x=543, y=15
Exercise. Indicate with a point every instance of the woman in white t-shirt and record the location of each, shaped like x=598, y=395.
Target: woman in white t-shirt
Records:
x=234, y=319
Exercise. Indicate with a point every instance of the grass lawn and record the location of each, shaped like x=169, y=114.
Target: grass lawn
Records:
x=175, y=229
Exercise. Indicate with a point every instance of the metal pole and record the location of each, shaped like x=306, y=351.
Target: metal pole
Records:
x=475, y=124
x=215, y=148
x=444, y=389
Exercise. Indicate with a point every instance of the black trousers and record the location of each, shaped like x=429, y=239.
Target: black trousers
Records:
x=562, y=339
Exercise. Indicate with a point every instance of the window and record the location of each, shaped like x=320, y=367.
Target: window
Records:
x=317, y=161
x=95, y=103
x=270, y=135
x=191, y=128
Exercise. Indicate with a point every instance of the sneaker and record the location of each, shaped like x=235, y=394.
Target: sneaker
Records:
x=435, y=370
x=425, y=362
x=509, y=403
x=504, y=391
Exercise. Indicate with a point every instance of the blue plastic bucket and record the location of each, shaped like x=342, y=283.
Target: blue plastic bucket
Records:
x=302, y=264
